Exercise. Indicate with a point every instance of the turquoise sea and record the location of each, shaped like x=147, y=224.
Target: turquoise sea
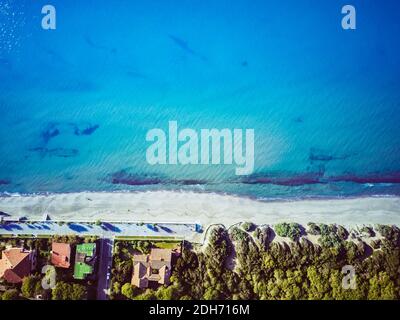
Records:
x=76, y=102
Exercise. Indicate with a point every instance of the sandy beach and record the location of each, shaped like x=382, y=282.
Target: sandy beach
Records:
x=204, y=208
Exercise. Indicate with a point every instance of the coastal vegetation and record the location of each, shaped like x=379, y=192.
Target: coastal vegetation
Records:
x=250, y=262
x=245, y=261
x=290, y=230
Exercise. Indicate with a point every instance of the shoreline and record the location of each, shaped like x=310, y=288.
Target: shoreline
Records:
x=205, y=208
x=8, y=194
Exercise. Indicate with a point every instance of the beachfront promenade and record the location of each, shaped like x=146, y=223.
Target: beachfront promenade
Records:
x=101, y=229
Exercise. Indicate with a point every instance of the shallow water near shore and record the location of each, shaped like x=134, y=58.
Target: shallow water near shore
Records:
x=76, y=103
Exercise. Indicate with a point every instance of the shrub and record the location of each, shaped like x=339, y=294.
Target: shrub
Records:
x=376, y=244
x=67, y=291
x=29, y=286
x=142, y=246
x=238, y=234
x=341, y=232
x=290, y=230
x=129, y=290
x=116, y=287
x=313, y=229
x=264, y=236
x=391, y=233
x=122, y=270
x=326, y=229
x=248, y=226
x=11, y=294
x=147, y=295
x=367, y=231
x=330, y=240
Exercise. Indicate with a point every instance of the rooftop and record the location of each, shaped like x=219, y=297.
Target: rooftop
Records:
x=61, y=255
x=155, y=266
x=15, y=264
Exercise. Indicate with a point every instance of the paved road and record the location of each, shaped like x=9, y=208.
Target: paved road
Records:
x=106, y=250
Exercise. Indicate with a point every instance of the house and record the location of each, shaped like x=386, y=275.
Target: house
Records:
x=85, y=260
x=61, y=255
x=16, y=263
x=153, y=267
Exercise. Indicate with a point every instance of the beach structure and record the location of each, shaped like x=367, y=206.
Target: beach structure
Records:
x=46, y=217
x=16, y=263
x=61, y=255
x=154, y=267
x=85, y=260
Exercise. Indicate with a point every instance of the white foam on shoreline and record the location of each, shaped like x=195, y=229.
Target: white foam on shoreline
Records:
x=204, y=208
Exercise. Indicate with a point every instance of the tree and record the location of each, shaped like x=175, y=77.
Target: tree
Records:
x=147, y=295
x=211, y=294
x=143, y=246
x=319, y=287
x=10, y=294
x=61, y=291
x=313, y=229
x=129, y=291
x=166, y=293
x=290, y=230
x=117, y=287
x=66, y=291
x=381, y=287
x=265, y=269
x=123, y=270
x=248, y=226
x=78, y=292
x=29, y=286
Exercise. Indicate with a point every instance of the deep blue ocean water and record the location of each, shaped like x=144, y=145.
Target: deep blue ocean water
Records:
x=76, y=102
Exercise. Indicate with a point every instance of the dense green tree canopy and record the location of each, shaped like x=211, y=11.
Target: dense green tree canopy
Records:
x=240, y=264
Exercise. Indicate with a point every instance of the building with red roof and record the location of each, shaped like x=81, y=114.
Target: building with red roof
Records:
x=16, y=263
x=61, y=255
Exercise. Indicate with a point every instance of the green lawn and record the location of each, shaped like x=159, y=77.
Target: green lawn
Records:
x=86, y=248
x=81, y=270
x=148, y=238
x=167, y=244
